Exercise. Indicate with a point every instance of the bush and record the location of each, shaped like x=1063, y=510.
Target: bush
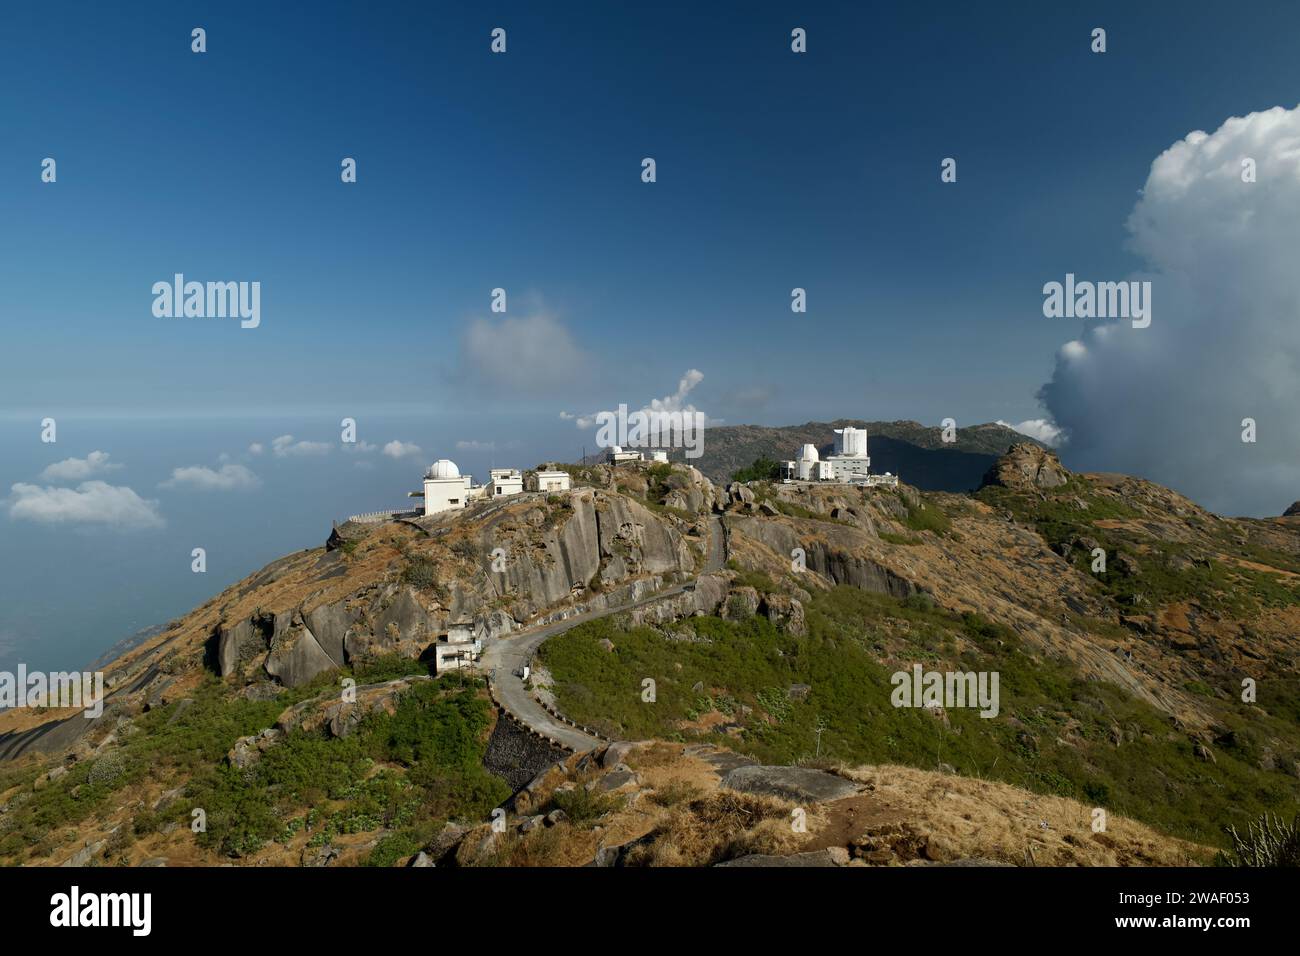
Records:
x=421, y=573
x=583, y=806
x=1269, y=841
x=465, y=548
x=762, y=469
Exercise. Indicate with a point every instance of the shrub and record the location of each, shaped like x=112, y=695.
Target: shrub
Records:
x=421, y=573
x=583, y=806
x=1269, y=841
x=762, y=469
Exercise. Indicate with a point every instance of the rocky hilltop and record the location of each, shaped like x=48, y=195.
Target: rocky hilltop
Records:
x=915, y=451
x=1122, y=684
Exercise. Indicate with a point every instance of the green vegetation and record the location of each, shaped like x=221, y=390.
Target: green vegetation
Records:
x=897, y=538
x=757, y=580
x=420, y=573
x=1145, y=571
x=792, y=510
x=1056, y=733
x=1269, y=841
x=583, y=806
x=924, y=516
x=408, y=771
x=762, y=469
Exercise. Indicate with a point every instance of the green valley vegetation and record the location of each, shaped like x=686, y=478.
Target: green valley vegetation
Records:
x=1145, y=569
x=763, y=469
x=753, y=687
x=404, y=773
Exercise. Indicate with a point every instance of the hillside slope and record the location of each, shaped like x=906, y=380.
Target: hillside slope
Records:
x=915, y=451
x=1121, y=689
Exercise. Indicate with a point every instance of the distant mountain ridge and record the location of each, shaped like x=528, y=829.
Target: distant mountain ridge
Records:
x=914, y=451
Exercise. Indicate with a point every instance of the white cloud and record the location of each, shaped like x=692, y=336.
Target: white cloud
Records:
x=79, y=469
x=1039, y=428
x=285, y=447
x=567, y=416
x=359, y=447
x=532, y=354
x=676, y=402
x=1166, y=402
x=202, y=478
x=92, y=502
x=256, y=448
x=401, y=449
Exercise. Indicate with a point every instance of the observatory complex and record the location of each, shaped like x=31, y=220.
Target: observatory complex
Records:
x=849, y=464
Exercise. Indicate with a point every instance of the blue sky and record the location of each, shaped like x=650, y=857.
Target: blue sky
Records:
x=522, y=171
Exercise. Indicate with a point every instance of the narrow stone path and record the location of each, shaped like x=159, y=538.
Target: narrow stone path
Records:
x=504, y=657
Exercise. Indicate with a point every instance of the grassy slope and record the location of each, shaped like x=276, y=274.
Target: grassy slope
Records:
x=408, y=772
x=1054, y=733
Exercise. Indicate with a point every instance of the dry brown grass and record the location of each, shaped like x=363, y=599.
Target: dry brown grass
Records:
x=719, y=826
x=965, y=817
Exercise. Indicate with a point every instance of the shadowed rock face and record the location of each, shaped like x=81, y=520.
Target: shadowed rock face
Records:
x=836, y=553
x=1292, y=511
x=588, y=546
x=1027, y=466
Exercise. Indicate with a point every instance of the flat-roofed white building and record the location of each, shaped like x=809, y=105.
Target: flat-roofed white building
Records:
x=504, y=481
x=456, y=649
x=549, y=480
x=618, y=456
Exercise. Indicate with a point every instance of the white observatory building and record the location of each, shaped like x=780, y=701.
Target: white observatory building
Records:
x=848, y=464
x=445, y=487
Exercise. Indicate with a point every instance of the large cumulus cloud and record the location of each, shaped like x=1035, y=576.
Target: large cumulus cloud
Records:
x=1223, y=256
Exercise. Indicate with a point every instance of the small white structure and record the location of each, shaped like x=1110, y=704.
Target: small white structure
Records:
x=456, y=649
x=446, y=489
x=504, y=481
x=549, y=480
x=849, y=464
x=618, y=456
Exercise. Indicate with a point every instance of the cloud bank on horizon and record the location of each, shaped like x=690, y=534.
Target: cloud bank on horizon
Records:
x=1168, y=402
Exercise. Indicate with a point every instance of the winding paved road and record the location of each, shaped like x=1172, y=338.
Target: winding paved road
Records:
x=504, y=657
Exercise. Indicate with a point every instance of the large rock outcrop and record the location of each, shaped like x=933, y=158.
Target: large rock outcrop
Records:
x=490, y=569
x=1026, y=465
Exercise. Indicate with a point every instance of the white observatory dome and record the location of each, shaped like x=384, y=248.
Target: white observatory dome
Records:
x=617, y=450
x=809, y=453
x=443, y=468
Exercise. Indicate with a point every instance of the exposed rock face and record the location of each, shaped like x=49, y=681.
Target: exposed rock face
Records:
x=239, y=642
x=784, y=611
x=836, y=553
x=1026, y=465
x=296, y=657
x=790, y=783
x=588, y=545
x=810, y=858
x=1292, y=511
x=705, y=598
x=690, y=491
x=329, y=624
